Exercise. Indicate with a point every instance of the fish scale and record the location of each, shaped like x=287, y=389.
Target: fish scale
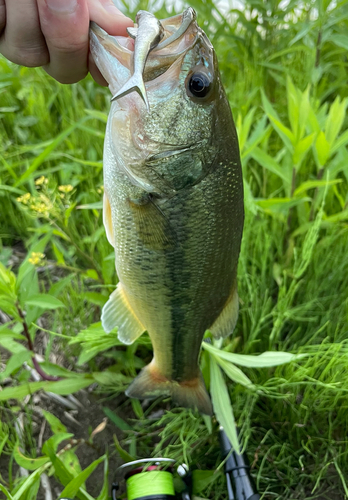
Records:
x=173, y=210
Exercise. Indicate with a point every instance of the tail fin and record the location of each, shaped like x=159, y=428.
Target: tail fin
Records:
x=150, y=384
x=136, y=83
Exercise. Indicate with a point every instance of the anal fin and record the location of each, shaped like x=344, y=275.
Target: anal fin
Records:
x=117, y=313
x=226, y=321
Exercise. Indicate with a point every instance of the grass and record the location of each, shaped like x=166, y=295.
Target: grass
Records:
x=284, y=70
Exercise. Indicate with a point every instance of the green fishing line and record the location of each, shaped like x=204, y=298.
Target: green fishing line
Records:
x=156, y=482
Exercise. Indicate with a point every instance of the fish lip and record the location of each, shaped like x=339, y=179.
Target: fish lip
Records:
x=188, y=17
x=172, y=152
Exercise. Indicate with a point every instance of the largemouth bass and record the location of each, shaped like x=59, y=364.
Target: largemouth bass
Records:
x=173, y=204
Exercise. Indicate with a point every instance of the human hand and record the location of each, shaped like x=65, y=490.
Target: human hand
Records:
x=55, y=34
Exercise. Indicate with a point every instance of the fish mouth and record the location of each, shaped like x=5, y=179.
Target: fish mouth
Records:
x=115, y=58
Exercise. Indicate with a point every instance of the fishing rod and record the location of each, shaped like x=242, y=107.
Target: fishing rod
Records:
x=153, y=478
x=240, y=484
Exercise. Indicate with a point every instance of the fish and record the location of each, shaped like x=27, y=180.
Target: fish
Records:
x=173, y=204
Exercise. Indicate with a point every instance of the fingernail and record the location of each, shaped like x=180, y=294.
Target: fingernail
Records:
x=62, y=6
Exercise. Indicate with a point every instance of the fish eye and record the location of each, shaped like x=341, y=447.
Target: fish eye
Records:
x=199, y=84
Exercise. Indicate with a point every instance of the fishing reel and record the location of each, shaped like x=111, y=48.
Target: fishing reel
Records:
x=152, y=479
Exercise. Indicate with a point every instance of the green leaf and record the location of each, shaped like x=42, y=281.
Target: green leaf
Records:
x=266, y=359
x=304, y=110
x=26, y=268
x=59, y=257
x=269, y=163
x=27, y=462
x=335, y=119
x=340, y=40
x=29, y=481
x=74, y=485
x=245, y=128
x=222, y=404
x=15, y=362
x=7, y=305
x=44, y=301
x=95, y=298
x=11, y=345
x=301, y=148
x=308, y=246
x=69, y=386
x=63, y=387
x=305, y=186
x=8, y=279
x=6, y=492
x=126, y=457
x=61, y=471
x=105, y=489
x=342, y=140
x=51, y=445
x=235, y=373
x=60, y=371
x=63, y=474
x=54, y=422
x=48, y=150
x=293, y=106
x=99, y=115
x=201, y=479
x=257, y=135
x=118, y=421
x=108, y=378
x=280, y=205
x=71, y=462
x=3, y=442
x=58, y=287
x=307, y=27
x=92, y=273
x=322, y=148
x=285, y=133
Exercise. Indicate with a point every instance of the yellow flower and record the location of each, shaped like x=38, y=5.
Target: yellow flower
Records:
x=41, y=180
x=100, y=189
x=36, y=258
x=66, y=189
x=41, y=205
x=24, y=199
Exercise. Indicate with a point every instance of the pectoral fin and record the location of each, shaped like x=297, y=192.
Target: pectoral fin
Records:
x=107, y=219
x=152, y=226
x=117, y=313
x=225, y=323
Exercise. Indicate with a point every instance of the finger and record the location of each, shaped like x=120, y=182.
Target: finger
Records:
x=96, y=74
x=109, y=17
x=65, y=25
x=22, y=41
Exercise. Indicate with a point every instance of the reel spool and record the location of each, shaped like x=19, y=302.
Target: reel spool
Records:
x=147, y=482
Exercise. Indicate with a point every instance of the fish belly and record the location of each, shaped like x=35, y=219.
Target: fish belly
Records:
x=179, y=289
